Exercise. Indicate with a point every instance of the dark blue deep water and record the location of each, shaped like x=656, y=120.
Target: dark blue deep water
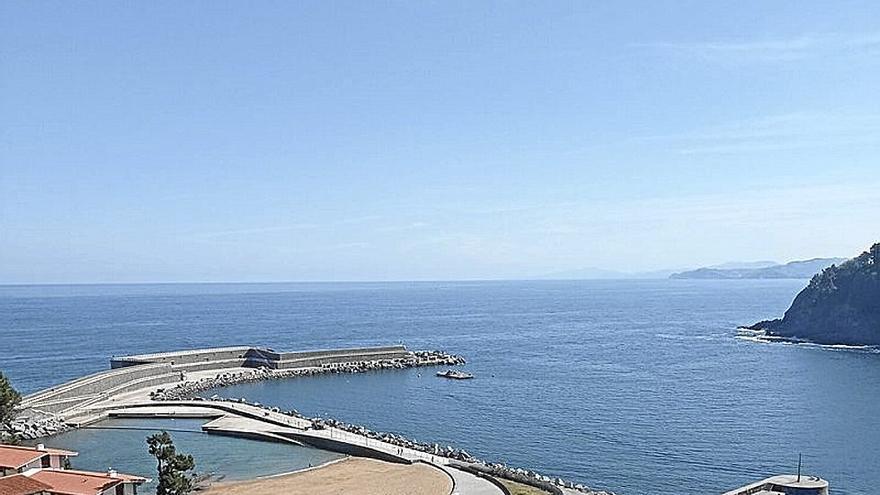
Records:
x=640, y=387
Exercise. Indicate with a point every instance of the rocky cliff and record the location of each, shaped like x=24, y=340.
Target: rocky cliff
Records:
x=841, y=305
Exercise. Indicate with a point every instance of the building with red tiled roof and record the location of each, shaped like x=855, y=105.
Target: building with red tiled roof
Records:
x=73, y=482
x=19, y=484
x=15, y=459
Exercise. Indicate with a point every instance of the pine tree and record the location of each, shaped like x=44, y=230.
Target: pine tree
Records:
x=172, y=467
x=9, y=400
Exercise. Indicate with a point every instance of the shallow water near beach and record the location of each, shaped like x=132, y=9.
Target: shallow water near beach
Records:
x=121, y=444
x=641, y=387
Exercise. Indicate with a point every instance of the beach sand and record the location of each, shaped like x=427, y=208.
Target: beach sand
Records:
x=354, y=476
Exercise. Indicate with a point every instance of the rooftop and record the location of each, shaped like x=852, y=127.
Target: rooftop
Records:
x=19, y=484
x=15, y=456
x=772, y=485
x=791, y=481
x=71, y=482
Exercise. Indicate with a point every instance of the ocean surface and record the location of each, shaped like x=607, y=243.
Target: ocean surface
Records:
x=640, y=387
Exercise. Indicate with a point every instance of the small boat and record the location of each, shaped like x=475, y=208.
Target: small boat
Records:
x=454, y=374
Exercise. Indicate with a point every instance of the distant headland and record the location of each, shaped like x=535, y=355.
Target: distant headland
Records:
x=732, y=270
x=841, y=305
x=795, y=269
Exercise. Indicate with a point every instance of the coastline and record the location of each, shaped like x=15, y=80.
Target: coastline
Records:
x=295, y=471
x=762, y=336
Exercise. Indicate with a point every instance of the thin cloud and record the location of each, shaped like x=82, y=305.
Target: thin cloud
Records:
x=404, y=227
x=256, y=231
x=346, y=246
x=778, y=50
x=791, y=131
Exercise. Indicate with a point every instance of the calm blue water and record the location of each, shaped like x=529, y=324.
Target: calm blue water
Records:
x=635, y=386
x=121, y=444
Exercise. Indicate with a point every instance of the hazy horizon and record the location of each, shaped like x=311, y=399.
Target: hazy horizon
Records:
x=584, y=274
x=225, y=142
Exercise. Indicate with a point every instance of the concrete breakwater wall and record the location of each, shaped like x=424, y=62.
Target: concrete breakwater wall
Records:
x=77, y=393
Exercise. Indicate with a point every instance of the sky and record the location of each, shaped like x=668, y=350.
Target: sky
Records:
x=171, y=141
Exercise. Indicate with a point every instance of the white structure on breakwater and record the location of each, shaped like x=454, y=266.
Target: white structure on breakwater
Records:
x=786, y=484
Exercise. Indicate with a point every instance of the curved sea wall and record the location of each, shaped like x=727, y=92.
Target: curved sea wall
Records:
x=77, y=393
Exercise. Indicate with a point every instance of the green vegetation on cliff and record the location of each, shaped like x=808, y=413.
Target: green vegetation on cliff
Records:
x=841, y=305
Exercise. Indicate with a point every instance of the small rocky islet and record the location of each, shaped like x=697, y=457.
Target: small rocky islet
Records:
x=840, y=306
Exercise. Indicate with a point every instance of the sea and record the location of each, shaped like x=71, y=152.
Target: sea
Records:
x=633, y=386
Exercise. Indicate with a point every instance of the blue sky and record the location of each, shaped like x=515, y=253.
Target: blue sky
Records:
x=260, y=141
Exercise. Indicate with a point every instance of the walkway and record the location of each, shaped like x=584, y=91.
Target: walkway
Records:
x=469, y=484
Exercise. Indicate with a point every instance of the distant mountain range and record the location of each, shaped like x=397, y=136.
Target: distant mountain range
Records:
x=730, y=270
x=603, y=274
x=761, y=269
x=739, y=265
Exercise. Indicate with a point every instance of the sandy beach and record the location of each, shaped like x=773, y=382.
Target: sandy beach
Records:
x=352, y=476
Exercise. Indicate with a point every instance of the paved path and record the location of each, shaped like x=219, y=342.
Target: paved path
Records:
x=469, y=484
